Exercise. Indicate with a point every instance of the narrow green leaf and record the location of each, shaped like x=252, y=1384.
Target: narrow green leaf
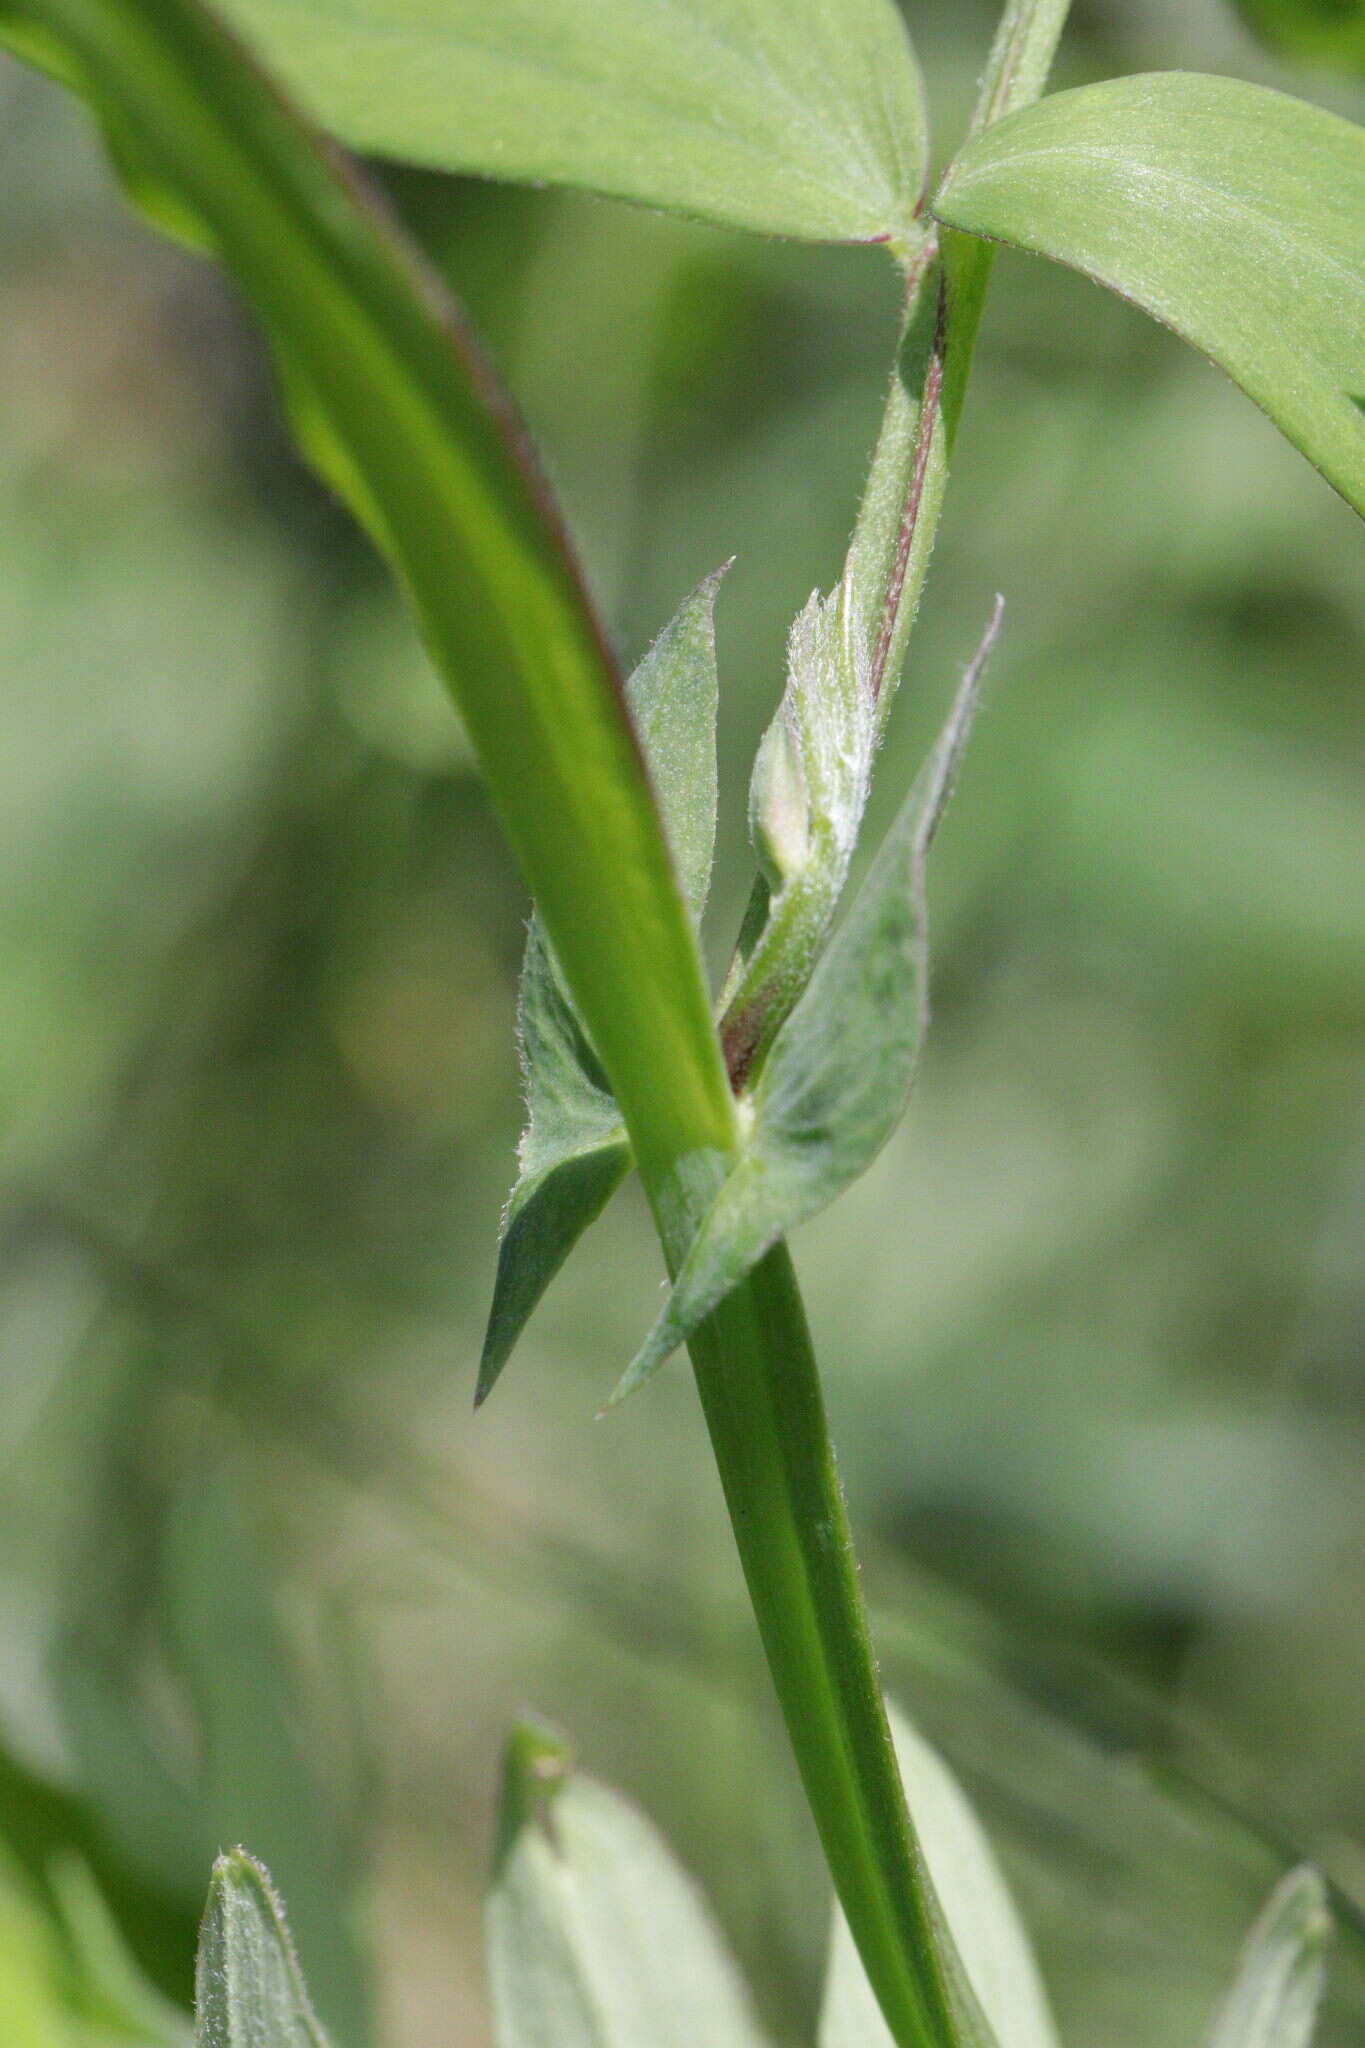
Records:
x=795, y=117
x=1274, y=1999
x=1234, y=215
x=249, y=1992
x=838, y=1077
x=402, y=414
x=999, y=1993
x=574, y=1153
x=1318, y=31
x=596, y=1938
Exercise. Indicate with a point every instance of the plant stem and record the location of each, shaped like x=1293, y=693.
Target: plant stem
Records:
x=403, y=419
x=1016, y=72
x=1021, y=58
x=760, y=1393
x=755, y=1370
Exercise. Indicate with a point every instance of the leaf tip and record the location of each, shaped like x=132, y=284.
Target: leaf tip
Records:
x=536, y=1764
x=658, y=1347
x=952, y=743
x=492, y=1359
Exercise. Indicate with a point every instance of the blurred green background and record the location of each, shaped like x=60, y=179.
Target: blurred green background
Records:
x=1092, y=1328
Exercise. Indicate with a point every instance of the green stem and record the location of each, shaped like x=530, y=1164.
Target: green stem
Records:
x=760, y=1392
x=400, y=414
x=1016, y=72
x=1021, y=58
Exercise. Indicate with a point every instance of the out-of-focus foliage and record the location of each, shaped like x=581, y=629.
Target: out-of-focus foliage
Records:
x=1092, y=1323
x=66, y=1979
x=1318, y=31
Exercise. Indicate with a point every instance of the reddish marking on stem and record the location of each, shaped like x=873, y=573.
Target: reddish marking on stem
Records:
x=928, y=420
x=740, y=1038
x=926, y=254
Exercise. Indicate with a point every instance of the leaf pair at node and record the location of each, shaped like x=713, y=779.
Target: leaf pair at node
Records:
x=835, y=1082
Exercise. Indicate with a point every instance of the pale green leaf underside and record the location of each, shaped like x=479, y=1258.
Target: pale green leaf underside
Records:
x=1233, y=214
x=249, y=1992
x=596, y=1938
x=836, y=1082
x=575, y=1152
x=794, y=117
x=1006, y=2003
x=1274, y=1999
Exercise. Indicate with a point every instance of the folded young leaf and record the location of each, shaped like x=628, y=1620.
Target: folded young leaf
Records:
x=249, y=1992
x=814, y=767
x=837, y=1080
x=795, y=117
x=1234, y=215
x=998, y=1993
x=596, y=1938
x=673, y=698
x=1318, y=31
x=574, y=1153
x=1278, y=1987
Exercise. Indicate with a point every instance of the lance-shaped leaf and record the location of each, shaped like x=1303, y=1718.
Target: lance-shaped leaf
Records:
x=837, y=1080
x=249, y=1991
x=999, y=1996
x=596, y=1938
x=796, y=117
x=1274, y=1999
x=574, y=1153
x=1318, y=31
x=1234, y=215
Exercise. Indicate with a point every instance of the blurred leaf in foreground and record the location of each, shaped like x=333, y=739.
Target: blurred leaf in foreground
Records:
x=596, y=1939
x=1278, y=1988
